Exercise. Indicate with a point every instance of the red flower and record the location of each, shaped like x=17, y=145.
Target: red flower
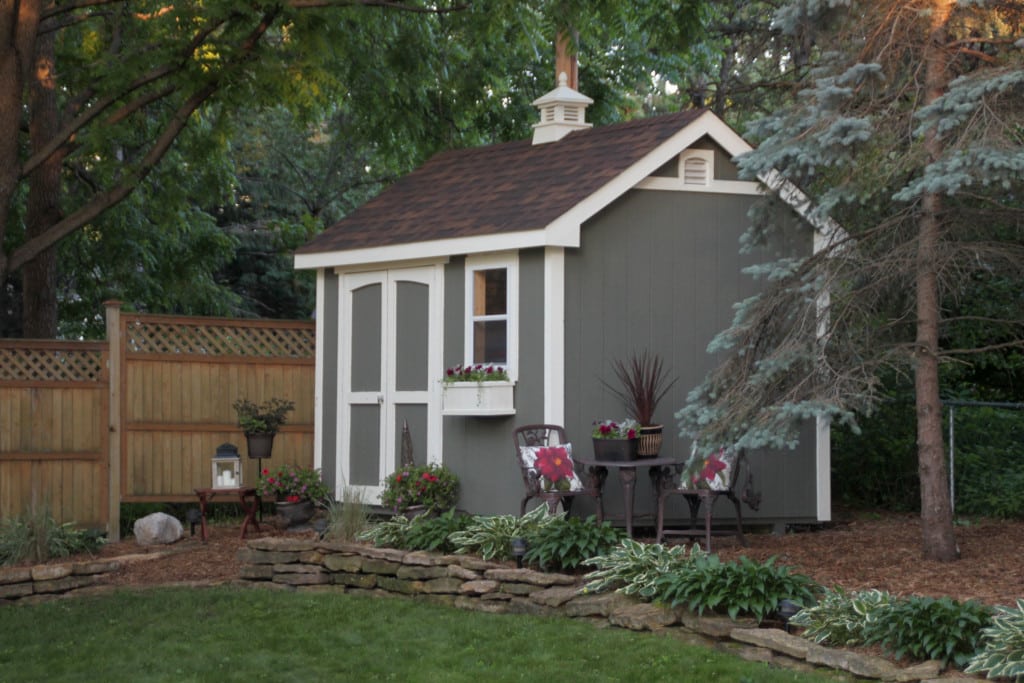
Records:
x=266, y=471
x=554, y=463
x=631, y=434
x=607, y=428
x=293, y=499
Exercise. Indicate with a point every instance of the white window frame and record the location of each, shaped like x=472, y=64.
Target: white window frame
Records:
x=510, y=262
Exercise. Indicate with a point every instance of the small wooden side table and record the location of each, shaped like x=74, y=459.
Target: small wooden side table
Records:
x=248, y=499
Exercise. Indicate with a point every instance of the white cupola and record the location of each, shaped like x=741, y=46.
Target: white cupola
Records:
x=562, y=111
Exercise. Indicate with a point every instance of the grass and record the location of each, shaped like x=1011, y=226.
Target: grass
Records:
x=239, y=634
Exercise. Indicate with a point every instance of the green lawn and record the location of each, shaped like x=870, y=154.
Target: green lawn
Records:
x=236, y=634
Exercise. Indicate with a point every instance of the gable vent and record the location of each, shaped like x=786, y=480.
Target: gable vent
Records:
x=696, y=171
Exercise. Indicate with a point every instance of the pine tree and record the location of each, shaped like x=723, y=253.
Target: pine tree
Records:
x=909, y=136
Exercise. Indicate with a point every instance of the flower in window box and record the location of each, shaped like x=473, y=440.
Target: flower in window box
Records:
x=476, y=373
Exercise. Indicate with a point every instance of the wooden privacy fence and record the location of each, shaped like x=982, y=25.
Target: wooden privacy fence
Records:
x=143, y=415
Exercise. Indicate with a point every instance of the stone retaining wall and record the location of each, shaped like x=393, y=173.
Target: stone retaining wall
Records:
x=471, y=583
x=51, y=580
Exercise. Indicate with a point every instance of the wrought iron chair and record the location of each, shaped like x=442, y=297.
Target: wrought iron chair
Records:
x=538, y=436
x=680, y=484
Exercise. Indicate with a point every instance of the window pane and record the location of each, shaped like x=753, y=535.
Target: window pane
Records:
x=490, y=342
x=490, y=292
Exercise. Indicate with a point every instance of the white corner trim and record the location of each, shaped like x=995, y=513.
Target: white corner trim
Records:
x=554, y=335
x=823, y=470
x=318, y=377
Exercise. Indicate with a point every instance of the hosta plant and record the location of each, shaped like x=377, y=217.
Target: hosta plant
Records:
x=633, y=567
x=743, y=587
x=491, y=537
x=431, y=533
x=839, y=617
x=929, y=628
x=387, y=534
x=565, y=542
x=1003, y=653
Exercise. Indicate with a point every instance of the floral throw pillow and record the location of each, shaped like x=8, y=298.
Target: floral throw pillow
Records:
x=712, y=471
x=554, y=466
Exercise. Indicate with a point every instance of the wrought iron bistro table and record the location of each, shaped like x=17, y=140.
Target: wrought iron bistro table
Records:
x=248, y=499
x=658, y=468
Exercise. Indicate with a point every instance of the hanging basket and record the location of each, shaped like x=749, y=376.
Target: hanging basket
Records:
x=259, y=445
x=649, y=445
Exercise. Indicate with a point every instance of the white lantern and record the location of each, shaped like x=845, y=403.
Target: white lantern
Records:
x=227, y=467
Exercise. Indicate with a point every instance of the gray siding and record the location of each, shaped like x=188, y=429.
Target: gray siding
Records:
x=661, y=271
x=329, y=400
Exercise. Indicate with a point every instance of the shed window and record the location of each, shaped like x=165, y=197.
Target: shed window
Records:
x=490, y=297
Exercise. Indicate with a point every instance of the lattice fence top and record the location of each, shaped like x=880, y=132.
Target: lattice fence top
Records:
x=51, y=365
x=144, y=336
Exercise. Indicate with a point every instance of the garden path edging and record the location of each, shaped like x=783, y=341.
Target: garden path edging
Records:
x=469, y=582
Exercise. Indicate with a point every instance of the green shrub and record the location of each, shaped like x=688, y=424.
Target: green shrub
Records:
x=633, y=567
x=431, y=533
x=37, y=537
x=565, y=542
x=1003, y=651
x=839, y=618
x=744, y=587
x=928, y=628
x=491, y=537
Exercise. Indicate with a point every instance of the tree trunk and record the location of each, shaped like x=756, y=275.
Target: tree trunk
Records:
x=39, y=276
x=18, y=24
x=938, y=539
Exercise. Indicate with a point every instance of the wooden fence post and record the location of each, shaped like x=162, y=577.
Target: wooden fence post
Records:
x=115, y=357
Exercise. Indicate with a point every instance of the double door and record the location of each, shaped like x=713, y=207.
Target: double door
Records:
x=390, y=372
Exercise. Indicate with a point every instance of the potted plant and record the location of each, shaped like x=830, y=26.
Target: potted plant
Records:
x=481, y=389
x=296, y=490
x=643, y=382
x=260, y=423
x=616, y=440
x=429, y=488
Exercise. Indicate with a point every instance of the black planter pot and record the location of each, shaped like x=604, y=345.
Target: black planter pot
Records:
x=259, y=445
x=295, y=513
x=615, y=449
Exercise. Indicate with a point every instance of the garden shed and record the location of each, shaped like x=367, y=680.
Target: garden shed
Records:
x=552, y=256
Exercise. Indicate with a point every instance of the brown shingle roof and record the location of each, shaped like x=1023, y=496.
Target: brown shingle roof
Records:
x=499, y=188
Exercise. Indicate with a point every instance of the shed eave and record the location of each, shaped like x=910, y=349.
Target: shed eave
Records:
x=555, y=235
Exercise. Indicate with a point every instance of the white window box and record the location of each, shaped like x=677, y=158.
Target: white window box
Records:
x=478, y=398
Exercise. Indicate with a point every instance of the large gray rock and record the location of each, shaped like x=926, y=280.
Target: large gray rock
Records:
x=158, y=528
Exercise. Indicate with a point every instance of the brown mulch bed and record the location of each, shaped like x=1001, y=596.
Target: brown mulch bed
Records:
x=857, y=552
